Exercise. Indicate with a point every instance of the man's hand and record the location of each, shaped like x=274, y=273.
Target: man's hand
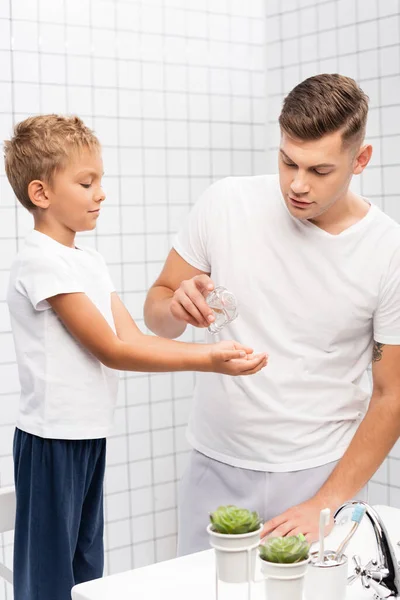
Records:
x=232, y=358
x=188, y=303
x=303, y=518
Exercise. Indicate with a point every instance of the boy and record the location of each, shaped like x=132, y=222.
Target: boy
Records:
x=71, y=333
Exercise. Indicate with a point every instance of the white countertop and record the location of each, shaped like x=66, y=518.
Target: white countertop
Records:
x=193, y=577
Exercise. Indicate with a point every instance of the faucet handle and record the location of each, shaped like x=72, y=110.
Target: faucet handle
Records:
x=363, y=573
x=357, y=570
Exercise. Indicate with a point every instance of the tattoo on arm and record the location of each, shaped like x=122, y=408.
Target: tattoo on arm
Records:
x=377, y=351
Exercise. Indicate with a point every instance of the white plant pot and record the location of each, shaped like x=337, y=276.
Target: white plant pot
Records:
x=236, y=555
x=284, y=581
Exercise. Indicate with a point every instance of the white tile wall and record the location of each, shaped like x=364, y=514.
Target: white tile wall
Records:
x=175, y=91
x=360, y=39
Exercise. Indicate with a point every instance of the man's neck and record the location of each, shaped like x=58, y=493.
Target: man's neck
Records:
x=343, y=214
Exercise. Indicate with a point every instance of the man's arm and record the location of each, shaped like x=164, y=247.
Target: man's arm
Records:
x=177, y=298
x=376, y=435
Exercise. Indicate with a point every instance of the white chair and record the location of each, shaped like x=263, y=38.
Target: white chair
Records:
x=7, y=521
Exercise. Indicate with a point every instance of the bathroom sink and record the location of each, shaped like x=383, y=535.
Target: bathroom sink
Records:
x=193, y=576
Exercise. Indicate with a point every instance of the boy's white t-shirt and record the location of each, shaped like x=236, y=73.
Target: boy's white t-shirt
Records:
x=66, y=393
x=313, y=301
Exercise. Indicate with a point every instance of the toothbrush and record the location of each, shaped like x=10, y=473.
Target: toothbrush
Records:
x=324, y=517
x=356, y=517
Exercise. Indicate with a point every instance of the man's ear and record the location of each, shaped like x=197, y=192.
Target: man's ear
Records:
x=38, y=193
x=362, y=158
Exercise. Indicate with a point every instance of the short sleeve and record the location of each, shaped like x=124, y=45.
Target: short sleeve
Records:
x=387, y=314
x=193, y=240
x=42, y=277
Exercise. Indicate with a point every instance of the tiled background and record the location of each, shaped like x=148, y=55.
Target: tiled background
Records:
x=361, y=39
x=176, y=91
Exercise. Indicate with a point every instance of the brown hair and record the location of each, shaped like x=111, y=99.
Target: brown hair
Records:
x=40, y=147
x=323, y=104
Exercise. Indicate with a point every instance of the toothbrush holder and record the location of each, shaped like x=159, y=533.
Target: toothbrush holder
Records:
x=328, y=579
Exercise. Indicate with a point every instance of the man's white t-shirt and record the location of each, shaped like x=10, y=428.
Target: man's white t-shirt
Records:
x=313, y=301
x=66, y=393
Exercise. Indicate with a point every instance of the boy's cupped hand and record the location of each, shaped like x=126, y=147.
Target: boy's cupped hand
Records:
x=232, y=358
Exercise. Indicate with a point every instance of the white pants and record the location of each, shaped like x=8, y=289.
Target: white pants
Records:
x=208, y=483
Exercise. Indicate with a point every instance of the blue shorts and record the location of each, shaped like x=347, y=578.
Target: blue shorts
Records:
x=59, y=521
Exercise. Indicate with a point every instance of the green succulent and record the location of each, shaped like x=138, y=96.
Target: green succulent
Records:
x=291, y=549
x=233, y=520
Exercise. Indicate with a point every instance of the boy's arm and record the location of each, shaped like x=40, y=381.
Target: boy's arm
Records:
x=125, y=326
x=148, y=353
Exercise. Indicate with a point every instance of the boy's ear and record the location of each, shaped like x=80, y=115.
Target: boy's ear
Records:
x=362, y=159
x=38, y=195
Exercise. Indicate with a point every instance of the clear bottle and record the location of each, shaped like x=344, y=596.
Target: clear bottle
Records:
x=224, y=307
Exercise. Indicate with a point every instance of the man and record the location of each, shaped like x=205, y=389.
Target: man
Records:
x=316, y=271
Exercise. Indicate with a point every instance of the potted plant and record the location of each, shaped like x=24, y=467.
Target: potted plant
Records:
x=235, y=535
x=284, y=563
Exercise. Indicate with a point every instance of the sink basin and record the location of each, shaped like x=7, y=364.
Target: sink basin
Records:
x=193, y=576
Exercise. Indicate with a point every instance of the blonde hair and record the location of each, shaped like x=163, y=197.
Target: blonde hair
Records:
x=323, y=104
x=40, y=147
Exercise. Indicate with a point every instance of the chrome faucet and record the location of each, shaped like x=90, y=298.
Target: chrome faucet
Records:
x=382, y=575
